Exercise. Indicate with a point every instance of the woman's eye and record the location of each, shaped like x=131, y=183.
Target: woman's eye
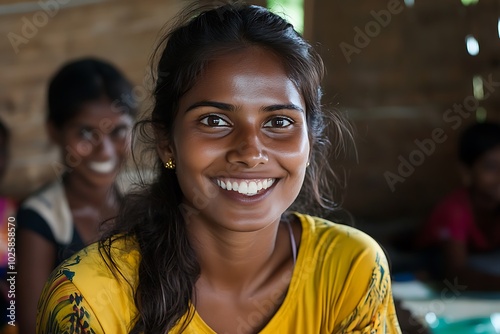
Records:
x=214, y=121
x=87, y=134
x=119, y=132
x=278, y=122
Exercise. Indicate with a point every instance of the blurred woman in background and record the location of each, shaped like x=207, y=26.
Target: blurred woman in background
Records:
x=90, y=120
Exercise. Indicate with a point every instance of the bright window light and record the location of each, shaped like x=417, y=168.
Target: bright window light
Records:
x=409, y=3
x=498, y=27
x=472, y=45
x=481, y=115
x=291, y=10
x=469, y=2
x=478, y=88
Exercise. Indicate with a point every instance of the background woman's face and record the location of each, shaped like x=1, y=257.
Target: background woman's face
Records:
x=486, y=174
x=95, y=142
x=240, y=141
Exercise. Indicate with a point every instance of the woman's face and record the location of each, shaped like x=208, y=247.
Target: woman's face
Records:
x=240, y=142
x=486, y=174
x=95, y=143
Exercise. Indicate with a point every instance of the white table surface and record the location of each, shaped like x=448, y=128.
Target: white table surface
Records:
x=420, y=300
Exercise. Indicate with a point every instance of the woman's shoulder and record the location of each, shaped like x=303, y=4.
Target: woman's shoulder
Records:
x=100, y=280
x=101, y=269
x=116, y=258
x=347, y=265
x=321, y=231
x=48, y=205
x=47, y=193
x=339, y=250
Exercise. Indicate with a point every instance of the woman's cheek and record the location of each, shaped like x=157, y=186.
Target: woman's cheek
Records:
x=83, y=148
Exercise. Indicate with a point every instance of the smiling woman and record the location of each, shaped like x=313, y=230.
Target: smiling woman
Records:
x=244, y=112
x=210, y=246
x=63, y=217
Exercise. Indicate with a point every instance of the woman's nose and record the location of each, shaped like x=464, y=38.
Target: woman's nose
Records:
x=249, y=151
x=105, y=147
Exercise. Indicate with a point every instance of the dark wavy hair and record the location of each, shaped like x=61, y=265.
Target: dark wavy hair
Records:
x=85, y=80
x=154, y=214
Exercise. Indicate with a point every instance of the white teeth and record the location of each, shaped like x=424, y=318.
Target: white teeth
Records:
x=243, y=188
x=252, y=188
x=103, y=167
x=248, y=188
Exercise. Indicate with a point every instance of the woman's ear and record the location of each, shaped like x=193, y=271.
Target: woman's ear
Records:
x=164, y=145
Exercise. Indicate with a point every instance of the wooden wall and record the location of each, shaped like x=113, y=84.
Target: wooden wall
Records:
x=396, y=71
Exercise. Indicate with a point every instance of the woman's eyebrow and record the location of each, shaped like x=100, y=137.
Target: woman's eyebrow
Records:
x=218, y=105
x=80, y=125
x=276, y=107
x=230, y=107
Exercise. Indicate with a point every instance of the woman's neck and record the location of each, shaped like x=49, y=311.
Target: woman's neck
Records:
x=239, y=261
x=81, y=193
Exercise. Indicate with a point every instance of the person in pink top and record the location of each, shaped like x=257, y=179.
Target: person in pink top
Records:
x=465, y=225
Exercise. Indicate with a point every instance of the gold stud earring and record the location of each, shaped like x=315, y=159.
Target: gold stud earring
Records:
x=170, y=164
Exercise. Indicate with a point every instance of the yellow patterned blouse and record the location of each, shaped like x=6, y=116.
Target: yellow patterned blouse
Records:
x=340, y=284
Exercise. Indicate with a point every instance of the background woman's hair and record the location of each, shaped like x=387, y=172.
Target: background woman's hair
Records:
x=154, y=215
x=476, y=140
x=86, y=80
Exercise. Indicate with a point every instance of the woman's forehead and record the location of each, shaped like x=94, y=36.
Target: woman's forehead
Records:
x=252, y=71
